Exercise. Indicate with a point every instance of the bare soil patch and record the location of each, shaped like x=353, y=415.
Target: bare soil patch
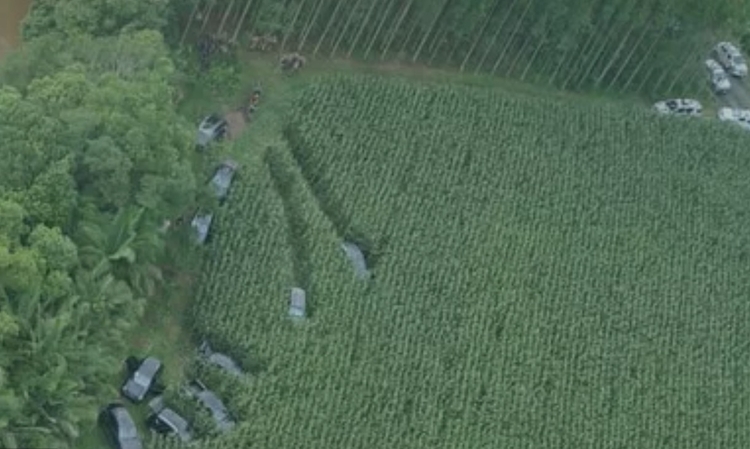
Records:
x=237, y=124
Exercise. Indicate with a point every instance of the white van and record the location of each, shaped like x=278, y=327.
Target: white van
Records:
x=731, y=58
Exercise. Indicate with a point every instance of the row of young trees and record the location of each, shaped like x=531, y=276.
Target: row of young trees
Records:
x=94, y=159
x=649, y=46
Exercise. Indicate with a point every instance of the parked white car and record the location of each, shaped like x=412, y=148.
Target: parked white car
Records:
x=719, y=79
x=679, y=107
x=738, y=116
x=731, y=58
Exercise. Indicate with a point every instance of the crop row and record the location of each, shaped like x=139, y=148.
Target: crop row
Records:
x=550, y=275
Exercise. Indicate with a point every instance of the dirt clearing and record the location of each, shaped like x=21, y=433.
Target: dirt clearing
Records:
x=236, y=124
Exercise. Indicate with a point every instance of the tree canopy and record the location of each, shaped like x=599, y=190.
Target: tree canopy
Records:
x=94, y=157
x=94, y=17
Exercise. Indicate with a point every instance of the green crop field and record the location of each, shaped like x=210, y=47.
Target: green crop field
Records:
x=547, y=274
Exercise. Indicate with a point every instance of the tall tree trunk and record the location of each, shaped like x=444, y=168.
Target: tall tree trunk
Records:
x=224, y=18
x=643, y=59
x=310, y=25
x=454, y=47
x=512, y=36
x=346, y=27
x=437, y=45
x=207, y=16
x=614, y=57
x=580, y=59
x=394, y=30
x=290, y=28
x=438, y=16
x=411, y=34
x=534, y=55
x=518, y=56
x=189, y=22
x=563, y=58
x=635, y=20
x=582, y=71
x=328, y=26
x=480, y=34
x=595, y=57
x=241, y=21
x=375, y=36
x=645, y=80
x=625, y=63
x=438, y=39
x=664, y=73
x=681, y=71
x=362, y=27
x=494, y=38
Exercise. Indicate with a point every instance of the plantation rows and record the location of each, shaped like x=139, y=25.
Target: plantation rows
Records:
x=549, y=275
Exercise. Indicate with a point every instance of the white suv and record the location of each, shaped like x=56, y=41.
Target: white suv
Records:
x=719, y=79
x=738, y=116
x=679, y=107
x=731, y=59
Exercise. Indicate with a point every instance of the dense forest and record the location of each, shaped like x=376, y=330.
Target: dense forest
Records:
x=96, y=159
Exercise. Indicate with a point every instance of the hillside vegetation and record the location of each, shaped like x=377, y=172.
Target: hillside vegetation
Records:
x=546, y=274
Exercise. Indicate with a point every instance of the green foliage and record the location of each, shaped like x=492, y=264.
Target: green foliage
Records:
x=12, y=225
x=93, y=17
x=547, y=271
x=105, y=127
x=130, y=55
x=94, y=158
x=222, y=77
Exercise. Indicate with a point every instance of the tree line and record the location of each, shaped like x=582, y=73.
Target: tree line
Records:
x=651, y=47
x=95, y=160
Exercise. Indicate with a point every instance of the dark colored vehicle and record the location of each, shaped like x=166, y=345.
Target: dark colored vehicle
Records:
x=222, y=179
x=142, y=378
x=215, y=406
x=211, y=128
x=119, y=427
x=166, y=421
x=202, y=225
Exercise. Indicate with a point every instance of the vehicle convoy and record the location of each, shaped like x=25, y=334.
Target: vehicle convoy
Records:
x=220, y=184
x=680, y=107
x=730, y=57
x=119, y=427
x=718, y=77
x=142, y=377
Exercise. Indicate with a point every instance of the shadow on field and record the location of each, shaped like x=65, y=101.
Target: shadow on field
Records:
x=283, y=180
x=331, y=207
